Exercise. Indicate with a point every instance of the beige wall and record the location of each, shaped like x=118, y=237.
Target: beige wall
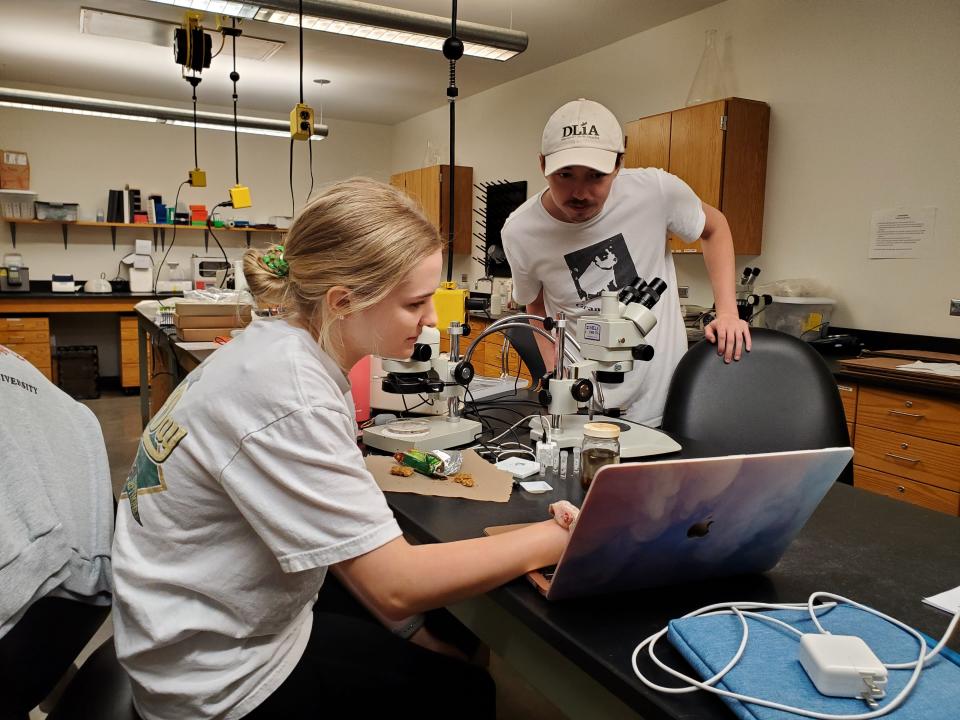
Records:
x=78, y=159
x=865, y=102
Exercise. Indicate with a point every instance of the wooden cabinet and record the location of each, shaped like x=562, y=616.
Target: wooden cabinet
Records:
x=720, y=150
x=29, y=337
x=907, y=446
x=430, y=187
x=848, y=394
x=129, y=353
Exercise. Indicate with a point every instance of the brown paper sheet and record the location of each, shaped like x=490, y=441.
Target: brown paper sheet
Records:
x=490, y=484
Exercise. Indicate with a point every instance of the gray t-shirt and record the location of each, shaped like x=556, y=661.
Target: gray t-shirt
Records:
x=574, y=262
x=56, y=505
x=249, y=484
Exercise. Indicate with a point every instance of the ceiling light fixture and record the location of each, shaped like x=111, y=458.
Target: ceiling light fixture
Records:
x=106, y=23
x=98, y=107
x=372, y=22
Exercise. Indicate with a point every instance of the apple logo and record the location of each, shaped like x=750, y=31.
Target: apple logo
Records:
x=700, y=529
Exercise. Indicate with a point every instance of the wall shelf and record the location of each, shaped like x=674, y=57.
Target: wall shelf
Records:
x=159, y=231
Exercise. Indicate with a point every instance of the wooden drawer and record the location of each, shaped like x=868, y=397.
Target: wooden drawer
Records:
x=913, y=414
x=24, y=336
x=128, y=328
x=129, y=375
x=129, y=351
x=35, y=353
x=927, y=461
x=848, y=394
x=12, y=323
x=909, y=491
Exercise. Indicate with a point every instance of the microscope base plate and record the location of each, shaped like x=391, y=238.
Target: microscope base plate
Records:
x=441, y=435
x=635, y=440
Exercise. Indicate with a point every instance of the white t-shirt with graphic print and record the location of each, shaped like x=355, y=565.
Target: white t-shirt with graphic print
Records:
x=574, y=262
x=249, y=484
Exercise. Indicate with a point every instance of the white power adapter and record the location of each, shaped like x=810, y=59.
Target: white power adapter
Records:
x=843, y=666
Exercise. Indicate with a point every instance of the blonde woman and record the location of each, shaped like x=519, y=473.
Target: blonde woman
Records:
x=248, y=487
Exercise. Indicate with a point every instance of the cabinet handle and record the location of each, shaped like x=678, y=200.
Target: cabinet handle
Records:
x=17, y=338
x=901, y=457
x=905, y=414
x=901, y=489
x=845, y=388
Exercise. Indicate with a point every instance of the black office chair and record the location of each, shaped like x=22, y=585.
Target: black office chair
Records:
x=780, y=396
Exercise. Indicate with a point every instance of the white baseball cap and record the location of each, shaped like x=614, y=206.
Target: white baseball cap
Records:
x=582, y=132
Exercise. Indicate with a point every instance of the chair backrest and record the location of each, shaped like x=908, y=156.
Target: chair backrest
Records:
x=779, y=396
x=525, y=343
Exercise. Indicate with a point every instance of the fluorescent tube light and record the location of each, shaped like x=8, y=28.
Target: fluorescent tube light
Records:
x=372, y=22
x=98, y=107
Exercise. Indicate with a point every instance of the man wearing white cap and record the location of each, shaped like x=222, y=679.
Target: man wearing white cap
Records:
x=596, y=227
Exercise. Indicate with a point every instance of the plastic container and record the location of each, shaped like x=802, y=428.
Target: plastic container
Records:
x=807, y=318
x=601, y=446
x=66, y=212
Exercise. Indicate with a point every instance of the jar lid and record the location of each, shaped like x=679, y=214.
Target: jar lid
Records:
x=601, y=430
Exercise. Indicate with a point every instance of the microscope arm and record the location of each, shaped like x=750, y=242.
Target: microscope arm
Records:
x=513, y=321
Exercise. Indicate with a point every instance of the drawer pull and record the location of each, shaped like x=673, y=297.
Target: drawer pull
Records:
x=901, y=489
x=845, y=388
x=901, y=457
x=17, y=338
x=905, y=414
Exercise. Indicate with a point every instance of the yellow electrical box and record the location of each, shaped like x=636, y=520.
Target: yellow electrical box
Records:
x=198, y=178
x=450, y=302
x=301, y=122
x=240, y=196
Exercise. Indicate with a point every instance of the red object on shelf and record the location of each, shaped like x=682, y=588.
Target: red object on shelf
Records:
x=140, y=218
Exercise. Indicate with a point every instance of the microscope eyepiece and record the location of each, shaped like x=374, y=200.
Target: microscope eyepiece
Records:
x=651, y=294
x=421, y=352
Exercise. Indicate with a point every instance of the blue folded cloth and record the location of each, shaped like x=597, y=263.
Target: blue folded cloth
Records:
x=770, y=667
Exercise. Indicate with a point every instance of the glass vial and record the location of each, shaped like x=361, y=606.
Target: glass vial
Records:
x=601, y=446
x=708, y=82
x=563, y=463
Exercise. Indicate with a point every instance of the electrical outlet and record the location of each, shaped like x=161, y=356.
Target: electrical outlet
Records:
x=684, y=290
x=955, y=307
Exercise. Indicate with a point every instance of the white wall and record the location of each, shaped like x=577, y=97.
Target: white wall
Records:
x=865, y=110
x=78, y=159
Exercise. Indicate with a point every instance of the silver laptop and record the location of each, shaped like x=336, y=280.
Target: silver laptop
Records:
x=676, y=521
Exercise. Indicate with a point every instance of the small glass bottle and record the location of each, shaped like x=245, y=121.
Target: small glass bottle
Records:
x=601, y=446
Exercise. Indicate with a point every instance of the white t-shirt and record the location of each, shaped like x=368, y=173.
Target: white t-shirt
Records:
x=249, y=483
x=574, y=262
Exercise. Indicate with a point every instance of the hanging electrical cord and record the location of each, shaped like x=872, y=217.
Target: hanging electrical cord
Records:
x=176, y=201
x=453, y=51
x=234, y=76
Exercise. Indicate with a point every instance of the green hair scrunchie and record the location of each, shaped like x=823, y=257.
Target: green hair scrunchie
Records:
x=274, y=260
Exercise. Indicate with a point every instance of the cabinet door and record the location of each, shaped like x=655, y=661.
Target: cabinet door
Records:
x=463, y=212
x=696, y=155
x=648, y=142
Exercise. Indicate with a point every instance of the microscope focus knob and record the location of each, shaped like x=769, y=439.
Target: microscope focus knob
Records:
x=463, y=373
x=582, y=390
x=421, y=352
x=544, y=397
x=642, y=352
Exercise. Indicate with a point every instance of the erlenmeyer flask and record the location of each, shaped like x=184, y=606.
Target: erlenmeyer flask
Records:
x=708, y=82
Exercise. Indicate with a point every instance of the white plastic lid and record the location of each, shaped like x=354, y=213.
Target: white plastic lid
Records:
x=804, y=300
x=601, y=430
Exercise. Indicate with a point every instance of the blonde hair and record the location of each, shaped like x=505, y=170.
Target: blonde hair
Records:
x=360, y=234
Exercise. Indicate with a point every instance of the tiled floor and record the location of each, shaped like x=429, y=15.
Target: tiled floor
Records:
x=120, y=419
